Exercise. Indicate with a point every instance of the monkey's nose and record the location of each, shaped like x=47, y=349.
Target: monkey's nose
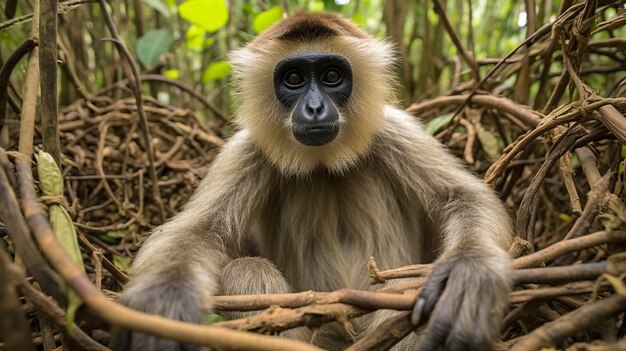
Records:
x=316, y=111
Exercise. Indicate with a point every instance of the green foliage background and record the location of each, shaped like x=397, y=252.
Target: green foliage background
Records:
x=189, y=39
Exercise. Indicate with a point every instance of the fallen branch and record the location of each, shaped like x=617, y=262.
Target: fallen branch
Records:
x=586, y=317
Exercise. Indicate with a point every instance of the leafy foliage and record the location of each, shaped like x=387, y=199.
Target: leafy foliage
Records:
x=210, y=15
x=152, y=45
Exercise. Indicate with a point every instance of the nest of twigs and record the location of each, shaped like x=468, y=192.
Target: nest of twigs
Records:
x=107, y=183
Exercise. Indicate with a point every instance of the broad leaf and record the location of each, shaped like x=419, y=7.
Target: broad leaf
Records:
x=265, y=19
x=195, y=37
x=152, y=45
x=216, y=70
x=159, y=6
x=437, y=123
x=172, y=73
x=210, y=15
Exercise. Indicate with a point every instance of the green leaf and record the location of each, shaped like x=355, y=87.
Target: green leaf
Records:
x=265, y=19
x=565, y=217
x=316, y=6
x=159, y=6
x=212, y=318
x=195, y=37
x=216, y=70
x=51, y=183
x=172, y=73
x=359, y=19
x=437, y=123
x=211, y=15
x=152, y=45
x=122, y=262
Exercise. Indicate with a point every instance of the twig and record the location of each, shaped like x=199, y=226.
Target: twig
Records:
x=583, y=318
x=64, y=7
x=136, y=78
x=567, y=246
x=554, y=275
x=594, y=202
x=178, y=84
x=563, y=145
x=14, y=329
x=49, y=308
x=386, y=335
x=5, y=74
x=524, y=113
x=23, y=242
x=356, y=298
x=31, y=90
x=441, y=11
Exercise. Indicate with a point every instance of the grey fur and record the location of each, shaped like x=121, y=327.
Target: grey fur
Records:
x=403, y=201
x=382, y=188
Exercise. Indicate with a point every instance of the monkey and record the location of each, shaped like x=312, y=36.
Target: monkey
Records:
x=323, y=172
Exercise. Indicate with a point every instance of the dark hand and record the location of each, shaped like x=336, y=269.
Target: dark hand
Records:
x=465, y=296
x=168, y=300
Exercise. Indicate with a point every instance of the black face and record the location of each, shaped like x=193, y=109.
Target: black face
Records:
x=315, y=84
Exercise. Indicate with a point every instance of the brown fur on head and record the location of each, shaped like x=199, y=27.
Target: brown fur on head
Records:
x=269, y=122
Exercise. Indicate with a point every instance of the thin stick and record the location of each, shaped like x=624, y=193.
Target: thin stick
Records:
x=583, y=318
x=135, y=76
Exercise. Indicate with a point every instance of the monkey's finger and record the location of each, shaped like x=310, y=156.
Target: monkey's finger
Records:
x=435, y=285
x=418, y=311
x=437, y=330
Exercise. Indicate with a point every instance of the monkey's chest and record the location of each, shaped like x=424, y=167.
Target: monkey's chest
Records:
x=321, y=232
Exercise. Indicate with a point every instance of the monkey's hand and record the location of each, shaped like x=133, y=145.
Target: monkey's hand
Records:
x=466, y=296
x=175, y=299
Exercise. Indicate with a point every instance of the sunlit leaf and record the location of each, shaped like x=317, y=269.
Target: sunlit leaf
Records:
x=195, y=37
x=172, y=73
x=316, y=6
x=359, y=19
x=565, y=217
x=210, y=15
x=212, y=318
x=152, y=45
x=216, y=70
x=159, y=6
x=437, y=123
x=122, y=262
x=265, y=19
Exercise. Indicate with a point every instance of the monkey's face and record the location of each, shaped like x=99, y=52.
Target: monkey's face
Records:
x=313, y=103
x=313, y=86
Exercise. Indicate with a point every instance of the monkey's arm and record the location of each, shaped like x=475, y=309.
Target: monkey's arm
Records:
x=177, y=268
x=466, y=294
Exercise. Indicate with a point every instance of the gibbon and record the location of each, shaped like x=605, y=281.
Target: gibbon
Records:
x=323, y=173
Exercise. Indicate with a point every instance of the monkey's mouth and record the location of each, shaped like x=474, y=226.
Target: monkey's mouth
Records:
x=316, y=134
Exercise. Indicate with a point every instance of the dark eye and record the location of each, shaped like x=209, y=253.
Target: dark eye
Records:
x=293, y=79
x=332, y=77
